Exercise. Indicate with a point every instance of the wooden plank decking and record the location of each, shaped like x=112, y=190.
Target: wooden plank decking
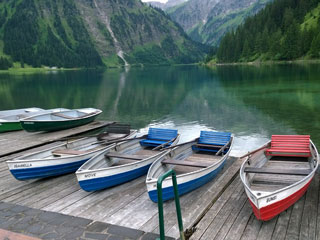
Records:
x=231, y=217
x=12, y=142
x=218, y=210
x=125, y=205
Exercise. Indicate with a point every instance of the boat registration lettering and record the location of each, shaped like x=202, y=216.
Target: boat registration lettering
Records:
x=22, y=165
x=28, y=122
x=90, y=175
x=271, y=198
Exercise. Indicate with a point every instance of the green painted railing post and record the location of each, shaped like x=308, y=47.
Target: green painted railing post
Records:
x=177, y=201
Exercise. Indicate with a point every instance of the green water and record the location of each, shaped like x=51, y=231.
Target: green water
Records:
x=251, y=102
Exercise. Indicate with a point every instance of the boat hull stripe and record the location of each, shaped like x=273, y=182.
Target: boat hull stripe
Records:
x=167, y=193
x=48, y=171
x=268, y=212
x=110, y=181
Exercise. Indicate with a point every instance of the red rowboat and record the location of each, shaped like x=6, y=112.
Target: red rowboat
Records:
x=276, y=175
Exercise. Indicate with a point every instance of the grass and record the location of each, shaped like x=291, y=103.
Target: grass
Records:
x=112, y=61
x=17, y=69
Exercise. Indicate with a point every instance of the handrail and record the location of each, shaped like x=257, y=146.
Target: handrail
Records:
x=176, y=199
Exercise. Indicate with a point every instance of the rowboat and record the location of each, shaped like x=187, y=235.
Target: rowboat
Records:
x=277, y=174
x=10, y=119
x=19, y=111
x=60, y=120
x=125, y=161
x=64, y=158
x=195, y=163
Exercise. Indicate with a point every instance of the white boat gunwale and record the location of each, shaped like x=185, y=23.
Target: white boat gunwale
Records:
x=269, y=194
x=223, y=158
x=29, y=119
x=18, y=160
x=157, y=155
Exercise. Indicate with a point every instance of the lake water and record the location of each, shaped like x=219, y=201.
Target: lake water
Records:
x=252, y=102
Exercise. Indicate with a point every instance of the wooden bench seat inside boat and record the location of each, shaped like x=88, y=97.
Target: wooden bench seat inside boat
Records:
x=210, y=141
x=119, y=128
x=186, y=163
x=302, y=172
x=58, y=114
x=289, y=145
x=159, y=136
x=60, y=152
x=125, y=156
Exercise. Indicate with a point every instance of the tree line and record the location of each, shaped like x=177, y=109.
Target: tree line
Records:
x=275, y=33
x=29, y=39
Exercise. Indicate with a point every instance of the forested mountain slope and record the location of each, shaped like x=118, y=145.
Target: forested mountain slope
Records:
x=284, y=30
x=91, y=33
x=207, y=21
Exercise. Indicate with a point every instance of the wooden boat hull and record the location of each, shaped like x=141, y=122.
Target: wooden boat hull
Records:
x=108, y=178
x=268, y=204
x=186, y=182
x=10, y=126
x=101, y=178
x=40, y=169
x=270, y=211
x=184, y=186
x=34, y=166
x=30, y=125
x=10, y=119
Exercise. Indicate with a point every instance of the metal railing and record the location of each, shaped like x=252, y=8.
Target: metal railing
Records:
x=177, y=201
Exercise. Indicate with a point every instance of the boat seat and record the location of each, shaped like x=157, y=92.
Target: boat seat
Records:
x=159, y=136
x=210, y=141
x=60, y=152
x=301, y=172
x=125, y=156
x=58, y=114
x=185, y=163
x=119, y=128
x=87, y=114
x=289, y=145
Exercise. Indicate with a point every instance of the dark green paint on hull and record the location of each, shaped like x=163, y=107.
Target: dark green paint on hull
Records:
x=10, y=126
x=48, y=126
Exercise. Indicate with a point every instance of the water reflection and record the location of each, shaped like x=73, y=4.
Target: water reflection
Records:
x=252, y=102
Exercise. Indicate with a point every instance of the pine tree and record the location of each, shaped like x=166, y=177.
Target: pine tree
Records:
x=315, y=46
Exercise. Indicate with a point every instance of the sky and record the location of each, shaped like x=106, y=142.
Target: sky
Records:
x=162, y=1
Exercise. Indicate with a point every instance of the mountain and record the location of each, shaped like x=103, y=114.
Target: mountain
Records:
x=168, y=4
x=284, y=30
x=207, y=21
x=90, y=33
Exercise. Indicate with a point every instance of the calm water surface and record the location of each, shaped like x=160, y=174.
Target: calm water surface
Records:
x=251, y=102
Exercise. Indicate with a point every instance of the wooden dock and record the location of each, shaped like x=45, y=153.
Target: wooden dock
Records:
x=231, y=217
x=218, y=210
x=12, y=142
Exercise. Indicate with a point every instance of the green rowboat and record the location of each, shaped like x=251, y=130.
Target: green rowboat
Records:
x=60, y=120
x=10, y=119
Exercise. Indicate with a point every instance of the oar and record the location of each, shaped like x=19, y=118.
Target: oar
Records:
x=222, y=149
x=122, y=140
x=163, y=144
x=249, y=153
x=180, y=144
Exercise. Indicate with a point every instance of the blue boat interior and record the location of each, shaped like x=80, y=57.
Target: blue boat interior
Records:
x=159, y=136
x=210, y=141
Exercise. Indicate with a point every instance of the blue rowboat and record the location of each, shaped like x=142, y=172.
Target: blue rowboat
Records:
x=62, y=159
x=122, y=162
x=194, y=163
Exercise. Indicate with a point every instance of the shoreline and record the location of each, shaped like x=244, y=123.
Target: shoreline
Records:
x=31, y=70
x=258, y=63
